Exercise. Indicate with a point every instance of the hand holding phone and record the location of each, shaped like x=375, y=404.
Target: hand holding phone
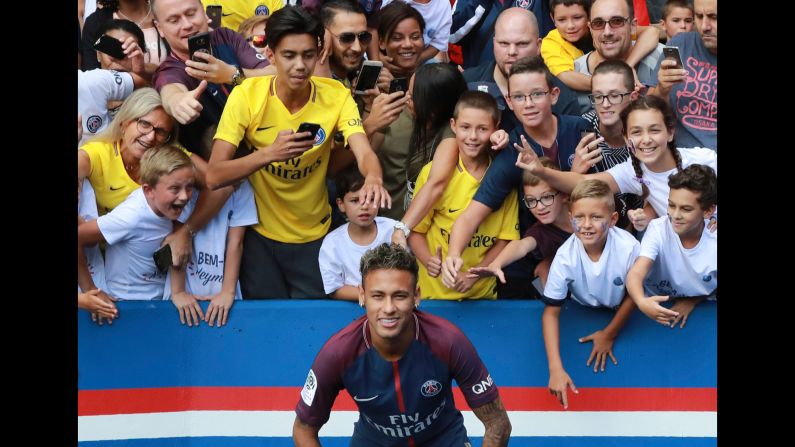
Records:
x=308, y=127
x=110, y=46
x=368, y=76
x=673, y=53
x=199, y=42
x=162, y=258
x=399, y=85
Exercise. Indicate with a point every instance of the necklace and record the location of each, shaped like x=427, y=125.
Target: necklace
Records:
x=125, y=16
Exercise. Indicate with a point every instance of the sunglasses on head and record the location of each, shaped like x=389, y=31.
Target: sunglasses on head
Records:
x=347, y=38
x=258, y=41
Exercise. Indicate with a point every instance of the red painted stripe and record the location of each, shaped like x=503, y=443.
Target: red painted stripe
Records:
x=156, y=400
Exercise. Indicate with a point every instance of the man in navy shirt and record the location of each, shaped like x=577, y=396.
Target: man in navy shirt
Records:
x=515, y=37
x=398, y=364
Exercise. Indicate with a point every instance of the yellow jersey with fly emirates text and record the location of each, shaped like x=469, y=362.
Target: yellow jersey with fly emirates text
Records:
x=291, y=196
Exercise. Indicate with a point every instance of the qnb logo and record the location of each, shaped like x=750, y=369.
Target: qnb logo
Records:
x=430, y=388
x=483, y=386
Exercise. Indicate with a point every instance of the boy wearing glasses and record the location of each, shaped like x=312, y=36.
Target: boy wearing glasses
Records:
x=541, y=240
x=531, y=95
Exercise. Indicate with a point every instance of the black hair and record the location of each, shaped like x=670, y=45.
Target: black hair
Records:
x=348, y=180
x=127, y=26
x=292, y=20
x=531, y=64
x=331, y=8
x=699, y=179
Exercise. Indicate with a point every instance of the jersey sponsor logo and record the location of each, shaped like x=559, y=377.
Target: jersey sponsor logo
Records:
x=430, y=388
x=116, y=189
x=355, y=122
x=262, y=10
x=308, y=393
x=478, y=240
x=618, y=281
x=320, y=137
x=364, y=399
x=406, y=424
x=93, y=123
x=483, y=386
x=292, y=169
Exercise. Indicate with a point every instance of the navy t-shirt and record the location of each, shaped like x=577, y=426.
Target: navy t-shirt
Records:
x=403, y=402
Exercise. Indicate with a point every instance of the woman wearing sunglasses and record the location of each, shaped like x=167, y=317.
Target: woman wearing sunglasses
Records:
x=112, y=159
x=253, y=30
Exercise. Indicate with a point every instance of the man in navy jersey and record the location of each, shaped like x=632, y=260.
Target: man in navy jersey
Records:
x=398, y=363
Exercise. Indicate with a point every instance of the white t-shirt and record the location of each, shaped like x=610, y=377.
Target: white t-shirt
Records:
x=438, y=16
x=204, y=273
x=624, y=175
x=134, y=232
x=679, y=271
x=87, y=210
x=593, y=284
x=94, y=89
x=339, y=256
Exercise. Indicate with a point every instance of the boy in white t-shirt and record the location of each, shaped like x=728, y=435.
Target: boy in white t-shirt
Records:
x=592, y=264
x=342, y=249
x=92, y=300
x=213, y=270
x=679, y=254
x=135, y=229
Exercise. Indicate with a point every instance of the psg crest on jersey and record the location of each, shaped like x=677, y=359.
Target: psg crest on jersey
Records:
x=262, y=10
x=431, y=388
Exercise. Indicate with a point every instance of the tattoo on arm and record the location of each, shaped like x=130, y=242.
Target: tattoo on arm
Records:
x=495, y=419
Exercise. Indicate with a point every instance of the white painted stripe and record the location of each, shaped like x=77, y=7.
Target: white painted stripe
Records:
x=280, y=423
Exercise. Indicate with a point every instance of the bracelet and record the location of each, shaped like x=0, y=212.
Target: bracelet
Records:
x=190, y=230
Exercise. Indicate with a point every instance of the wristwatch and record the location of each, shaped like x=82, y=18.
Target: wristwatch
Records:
x=402, y=227
x=238, y=77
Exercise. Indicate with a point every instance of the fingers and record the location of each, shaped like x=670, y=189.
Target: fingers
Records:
x=197, y=92
x=590, y=358
x=612, y=357
x=603, y=357
x=212, y=311
x=224, y=316
x=181, y=311
x=500, y=275
x=684, y=320
x=564, y=400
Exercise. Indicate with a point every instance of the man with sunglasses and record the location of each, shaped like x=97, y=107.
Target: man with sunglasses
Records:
x=346, y=25
x=612, y=26
x=194, y=92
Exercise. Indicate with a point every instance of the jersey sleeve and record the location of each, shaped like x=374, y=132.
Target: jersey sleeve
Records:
x=350, y=122
x=500, y=180
x=470, y=373
x=119, y=224
x=322, y=385
x=330, y=267
x=557, y=286
x=652, y=241
x=235, y=118
x=509, y=229
x=624, y=176
x=554, y=55
x=425, y=223
x=244, y=210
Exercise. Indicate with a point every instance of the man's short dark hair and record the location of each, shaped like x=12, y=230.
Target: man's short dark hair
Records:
x=700, y=179
x=474, y=99
x=586, y=5
x=349, y=180
x=531, y=64
x=630, y=6
x=292, y=20
x=388, y=257
x=331, y=8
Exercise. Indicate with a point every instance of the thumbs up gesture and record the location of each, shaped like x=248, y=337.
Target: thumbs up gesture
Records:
x=186, y=106
x=434, y=265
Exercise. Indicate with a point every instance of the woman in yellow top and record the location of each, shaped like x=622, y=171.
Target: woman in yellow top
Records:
x=111, y=160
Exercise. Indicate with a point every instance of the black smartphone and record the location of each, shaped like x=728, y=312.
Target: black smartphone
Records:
x=586, y=131
x=399, y=85
x=110, y=46
x=199, y=42
x=309, y=127
x=162, y=258
x=673, y=53
x=214, y=13
x=368, y=76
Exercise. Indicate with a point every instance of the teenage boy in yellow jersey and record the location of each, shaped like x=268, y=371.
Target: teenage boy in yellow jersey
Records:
x=475, y=118
x=288, y=169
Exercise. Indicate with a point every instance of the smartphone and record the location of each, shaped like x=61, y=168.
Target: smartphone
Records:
x=673, y=53
x=399, y=85
x=586, y=131
x=214, y=13
x=162, y=258
x=199, y=42
x=110, y=46
x=309, y=127
x=368, y=76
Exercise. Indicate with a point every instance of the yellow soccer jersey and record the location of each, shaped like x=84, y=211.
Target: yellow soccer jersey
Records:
x=437, y=225
x=108, y=177
x=234, y=12
x=291, y=196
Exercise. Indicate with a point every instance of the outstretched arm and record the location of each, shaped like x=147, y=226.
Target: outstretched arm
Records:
x=603, y=339
x=495, y=420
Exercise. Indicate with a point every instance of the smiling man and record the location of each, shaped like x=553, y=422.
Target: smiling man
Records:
x=398, y=363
